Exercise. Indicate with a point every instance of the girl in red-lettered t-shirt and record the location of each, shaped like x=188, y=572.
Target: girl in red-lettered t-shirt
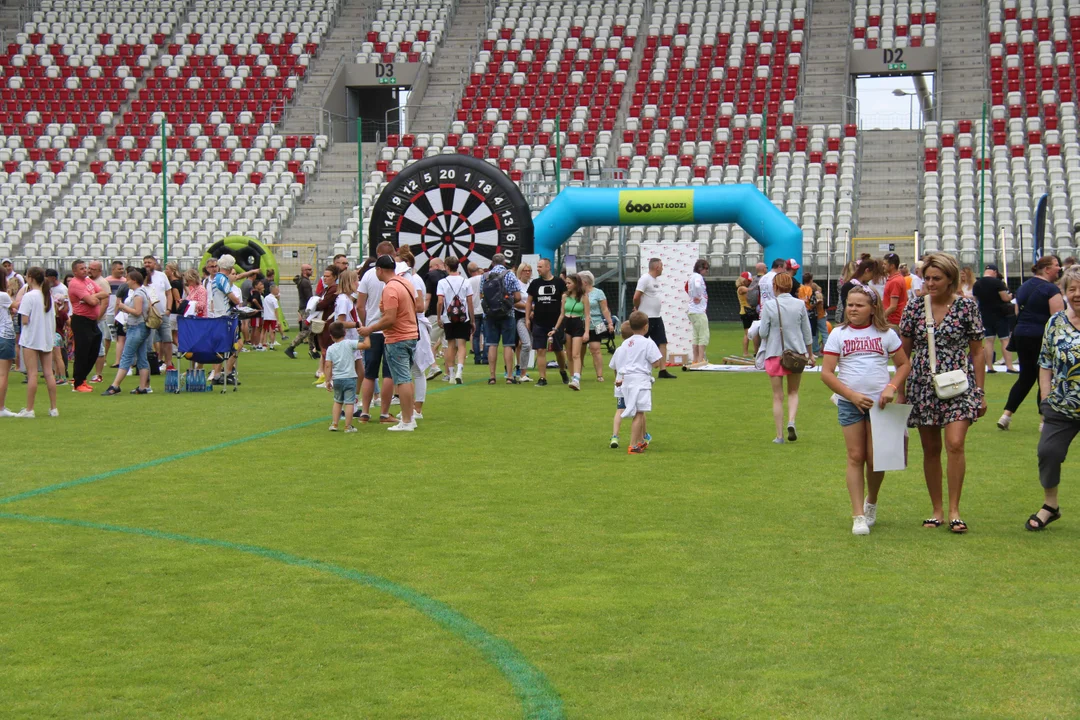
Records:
x=856, y=368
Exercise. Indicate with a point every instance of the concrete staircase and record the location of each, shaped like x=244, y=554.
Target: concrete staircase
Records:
x=331, y=198
x=351, y=26
x=889, y=183
x=451, y=69
x=962, y=44
x=824, y=79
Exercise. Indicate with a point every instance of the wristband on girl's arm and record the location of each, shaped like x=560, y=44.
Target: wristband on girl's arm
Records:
x=893, y=387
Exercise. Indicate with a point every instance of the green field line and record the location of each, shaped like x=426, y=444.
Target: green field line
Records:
x=538, y=698
x=180, y=456
x=154, y=463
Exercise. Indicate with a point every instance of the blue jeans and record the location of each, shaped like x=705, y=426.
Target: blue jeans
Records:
x=822, y=334
x=138, y=340
x=399, y=357
x=478, y=338
x=504, y=328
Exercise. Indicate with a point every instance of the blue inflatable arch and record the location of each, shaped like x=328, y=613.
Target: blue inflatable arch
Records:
x=744, y=205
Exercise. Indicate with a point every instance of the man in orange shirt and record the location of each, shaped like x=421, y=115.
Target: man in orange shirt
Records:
x=399, y=327
x=895, y=290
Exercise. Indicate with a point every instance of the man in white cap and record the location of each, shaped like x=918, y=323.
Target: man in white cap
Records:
x=9, y=273
x=223, y=296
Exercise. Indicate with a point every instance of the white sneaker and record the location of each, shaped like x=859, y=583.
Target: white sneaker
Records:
x=1004, y=421
x=395, y=400
x=435, y=372
x=54, y=413
x=24, y=413
x=403, y=427
x=162, y=368
x=4, y=412
x=574, y=384
x=859, y=526
x=869, y=510
x=448, y=377
x=417, y=416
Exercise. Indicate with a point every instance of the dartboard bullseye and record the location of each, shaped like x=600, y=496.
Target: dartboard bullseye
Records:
x=453, y=205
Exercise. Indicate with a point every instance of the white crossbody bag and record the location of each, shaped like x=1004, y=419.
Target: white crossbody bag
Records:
x=947, y=385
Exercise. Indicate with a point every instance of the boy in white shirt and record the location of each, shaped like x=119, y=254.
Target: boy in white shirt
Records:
x=341, y=356
x=269, y=318
x=633, y=362
x=620, y=402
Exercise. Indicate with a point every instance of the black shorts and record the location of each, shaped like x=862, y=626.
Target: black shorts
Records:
x=747, y=320
x=599, y=337
x=541, y=341
x=121, y=331
x=996, y=327
x=374, y=356
x=575, y=326
x=457, y=331
x=656, y=331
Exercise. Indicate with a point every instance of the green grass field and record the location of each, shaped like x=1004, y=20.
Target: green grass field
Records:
x=226, y=557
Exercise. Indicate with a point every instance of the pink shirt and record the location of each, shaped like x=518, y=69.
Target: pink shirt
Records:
x=197, y=294
x=79, y=289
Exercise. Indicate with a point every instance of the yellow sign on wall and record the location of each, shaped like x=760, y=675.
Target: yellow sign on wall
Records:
x=656, y=207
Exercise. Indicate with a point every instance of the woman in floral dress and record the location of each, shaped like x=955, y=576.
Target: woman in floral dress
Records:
x=958, y=336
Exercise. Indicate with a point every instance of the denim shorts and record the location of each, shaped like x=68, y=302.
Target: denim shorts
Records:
x=503, y=328
x=849, y=414
x=399, y=356
x=7, y=348
x=374, y=356
x=620, y=403
x=345, y=391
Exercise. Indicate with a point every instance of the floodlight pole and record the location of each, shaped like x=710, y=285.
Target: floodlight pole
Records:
x=360, y=190
x=982, y=191
x=164, y=194
x=765, y=152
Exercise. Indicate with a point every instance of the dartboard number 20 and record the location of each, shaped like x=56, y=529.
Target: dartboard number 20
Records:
x=452, y=205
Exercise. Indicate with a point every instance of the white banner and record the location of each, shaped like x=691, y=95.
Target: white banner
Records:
x=678, y=259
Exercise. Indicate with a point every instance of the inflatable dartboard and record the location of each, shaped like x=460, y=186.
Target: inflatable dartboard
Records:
x=250, y=254
x=453, y=205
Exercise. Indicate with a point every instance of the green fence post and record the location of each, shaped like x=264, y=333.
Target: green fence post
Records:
x=164, y=193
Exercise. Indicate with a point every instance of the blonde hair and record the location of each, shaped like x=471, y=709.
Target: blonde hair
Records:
x=191, y=277
x=742, y=282
x=347, y=282
x=14, y=286
x=849, y=271
x=1069, y=275
x=946, y=264
x=877, y=312
x=967, y=277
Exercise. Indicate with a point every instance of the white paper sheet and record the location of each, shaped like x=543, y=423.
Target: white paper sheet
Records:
x=888, y=427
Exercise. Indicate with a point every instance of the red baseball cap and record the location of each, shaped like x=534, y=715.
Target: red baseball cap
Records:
x=792, y=265
x=745, y=276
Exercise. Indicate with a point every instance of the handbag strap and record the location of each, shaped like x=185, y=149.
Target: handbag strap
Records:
x=780, y=319
x=930, y=334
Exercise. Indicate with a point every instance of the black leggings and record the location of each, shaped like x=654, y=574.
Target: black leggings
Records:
x=1027, y=353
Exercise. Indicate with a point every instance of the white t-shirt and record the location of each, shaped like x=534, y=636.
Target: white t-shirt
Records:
x=863, y=354
x=699, y=296
x=38, y=326
x=161, y=286
x=474, y=290
x=344, y=305
x=60, y=297
x=765, y=286
x=372, y=287
x=421, y=290
x=270, y=306
x=635, y=357
x=7, y=327
x=649, y=287
x=453, y=286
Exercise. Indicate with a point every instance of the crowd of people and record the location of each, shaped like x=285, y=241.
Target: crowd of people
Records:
x=381, y=333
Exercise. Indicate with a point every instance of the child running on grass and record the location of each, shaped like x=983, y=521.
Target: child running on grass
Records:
x=856, y=368
x=341, y=356
x=269, y=318
x=633, y=362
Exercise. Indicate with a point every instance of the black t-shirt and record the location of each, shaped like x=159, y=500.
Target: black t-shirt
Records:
x=987, y=290
x=795, y=285
x=178, y=286
x=547, y=297
x=303, y=289
x=431, y=283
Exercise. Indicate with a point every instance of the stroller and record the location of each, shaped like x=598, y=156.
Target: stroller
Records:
x=209, y=341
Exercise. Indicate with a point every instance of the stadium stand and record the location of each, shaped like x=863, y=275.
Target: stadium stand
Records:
x=220, y=85
x=893, y=24
x=1031, y=139
x=406, y=34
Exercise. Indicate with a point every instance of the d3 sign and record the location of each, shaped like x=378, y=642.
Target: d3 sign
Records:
x=656, y=207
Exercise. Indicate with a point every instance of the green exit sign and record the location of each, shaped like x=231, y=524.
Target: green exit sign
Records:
x=393, y=81
x=898, y=66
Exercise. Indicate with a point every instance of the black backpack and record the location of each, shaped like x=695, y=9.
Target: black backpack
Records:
x=456, y=310
x=496, y=302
